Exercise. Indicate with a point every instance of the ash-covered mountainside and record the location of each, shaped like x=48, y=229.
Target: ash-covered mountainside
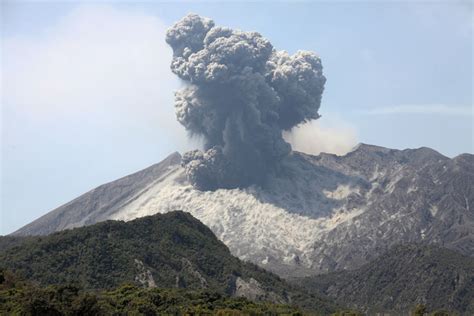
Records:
x=401, y=278
x=316, y=214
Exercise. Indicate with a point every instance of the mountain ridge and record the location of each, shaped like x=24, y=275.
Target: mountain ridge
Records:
x=172, y=250
x=317, y=214
x=44, y=224
x=401, y=278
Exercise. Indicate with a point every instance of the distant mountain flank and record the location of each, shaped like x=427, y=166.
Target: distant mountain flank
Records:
x=316, y=214
x=100, y=203
x=401, y=278
x=172, y=250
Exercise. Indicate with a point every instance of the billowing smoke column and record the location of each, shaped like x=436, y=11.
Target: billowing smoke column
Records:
x=241, y=95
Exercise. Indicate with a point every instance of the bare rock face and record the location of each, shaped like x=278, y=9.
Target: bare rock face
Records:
x=251, y=289
x=190, y=270
x=315, y=214
x=144, y=276
x=414, y=196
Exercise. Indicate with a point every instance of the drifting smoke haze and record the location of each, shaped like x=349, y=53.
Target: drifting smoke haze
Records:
x=241, y=94
x=314, y=138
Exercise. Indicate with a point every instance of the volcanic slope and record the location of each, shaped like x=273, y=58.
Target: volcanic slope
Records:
x=317, y=214
x=401, y=278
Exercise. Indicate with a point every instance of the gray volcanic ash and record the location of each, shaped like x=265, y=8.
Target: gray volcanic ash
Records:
x=241, y=95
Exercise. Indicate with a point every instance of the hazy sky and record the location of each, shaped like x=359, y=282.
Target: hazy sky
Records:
x=87, y=94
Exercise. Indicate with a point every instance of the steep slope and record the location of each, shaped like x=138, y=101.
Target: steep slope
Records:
x=414, y=196
x=165, y=250
x=100, y=203
x=317, y=214
x=401, y=278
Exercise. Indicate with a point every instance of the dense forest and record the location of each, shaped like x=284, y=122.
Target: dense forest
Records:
x=173, y=264
x=172, y=250
x=18, y=297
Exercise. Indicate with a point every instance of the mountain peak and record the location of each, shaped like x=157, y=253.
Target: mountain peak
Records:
x=362, y=147
x=424, y=153
x=421, y=154
x=174, y=158
x=465, y=157
x=318, y=213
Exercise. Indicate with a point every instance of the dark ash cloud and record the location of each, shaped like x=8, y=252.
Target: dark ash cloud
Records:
x=241, y=95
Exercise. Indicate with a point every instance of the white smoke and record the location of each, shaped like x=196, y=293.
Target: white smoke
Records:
x=315, y=137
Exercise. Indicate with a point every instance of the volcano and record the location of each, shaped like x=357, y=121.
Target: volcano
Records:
x=316, y=214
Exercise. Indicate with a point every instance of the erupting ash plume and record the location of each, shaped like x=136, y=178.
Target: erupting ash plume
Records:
x=241, y=95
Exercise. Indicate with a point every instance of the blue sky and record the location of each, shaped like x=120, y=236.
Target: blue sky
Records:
x=87, y=95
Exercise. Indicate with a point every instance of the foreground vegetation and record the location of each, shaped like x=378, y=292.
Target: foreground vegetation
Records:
x=19, y=297
x=173, y=264
x=24, y=298
x=172, y=250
